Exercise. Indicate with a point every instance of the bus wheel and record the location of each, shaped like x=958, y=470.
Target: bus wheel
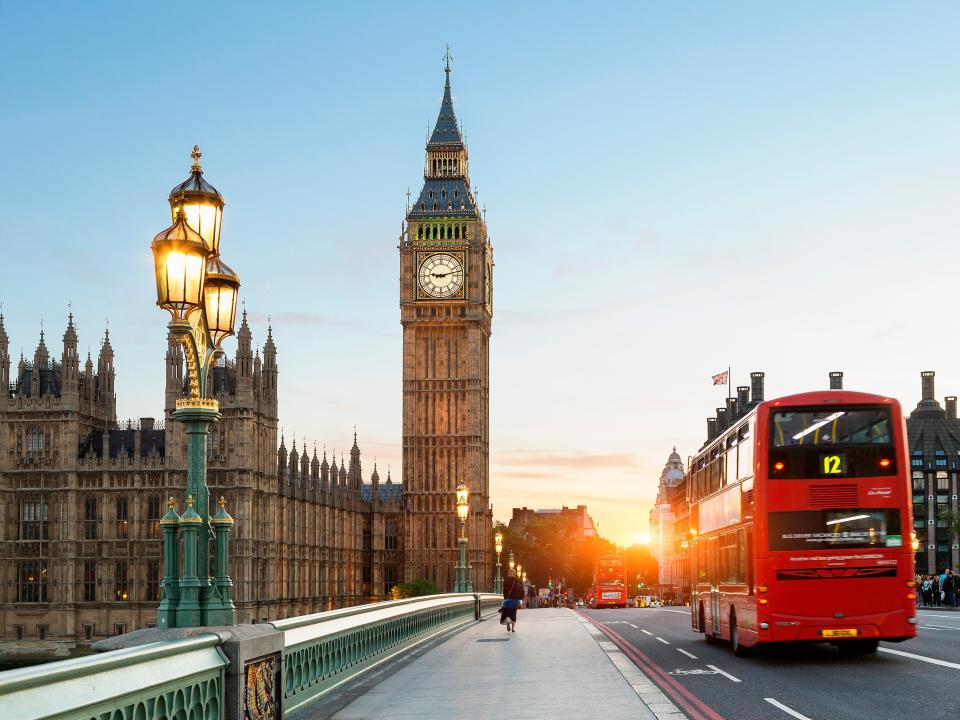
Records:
x=858, y=647
x=708, y=637
x=738, y=649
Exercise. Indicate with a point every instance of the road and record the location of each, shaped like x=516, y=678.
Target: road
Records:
x=811, y=682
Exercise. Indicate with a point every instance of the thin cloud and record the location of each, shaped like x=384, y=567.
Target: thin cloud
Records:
x=302, y=318
x=540, y=458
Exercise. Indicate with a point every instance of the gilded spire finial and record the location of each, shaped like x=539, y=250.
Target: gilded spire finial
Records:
x=222, y=501
x=171, y=503
x=189, y=501
x=196, y=155
x=447, y=57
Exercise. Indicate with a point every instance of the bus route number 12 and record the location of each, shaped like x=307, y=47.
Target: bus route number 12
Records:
x=833, y=465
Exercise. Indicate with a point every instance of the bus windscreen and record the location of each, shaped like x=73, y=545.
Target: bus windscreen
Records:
x=845, y=528
x=831, y=442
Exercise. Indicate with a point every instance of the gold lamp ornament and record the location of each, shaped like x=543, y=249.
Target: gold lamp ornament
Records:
x=179, y=261
x=498, y=542
x=201, y=202
x=463, y=501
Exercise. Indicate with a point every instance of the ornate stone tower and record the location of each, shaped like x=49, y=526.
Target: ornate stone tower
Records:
x=446, y=309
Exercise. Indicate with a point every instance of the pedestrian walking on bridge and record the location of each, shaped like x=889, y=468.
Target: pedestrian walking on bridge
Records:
x=512, y=595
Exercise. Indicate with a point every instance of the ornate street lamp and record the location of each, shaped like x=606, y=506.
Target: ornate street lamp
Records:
x=498, y=547
x=511, y=562
x=200, y=291
x=462, y=579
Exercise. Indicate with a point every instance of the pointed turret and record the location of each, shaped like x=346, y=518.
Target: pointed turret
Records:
x=106, y=377
x=41, y=362
x=325, y=472
x=269, y=377
x=4, y=360
x=315, y=468
x=70, y=361
x=343, y=473
x=245, y=359
x=281, y=461
x=304, y=464
x=446, y=188
x=375, y=483
x=355, y=473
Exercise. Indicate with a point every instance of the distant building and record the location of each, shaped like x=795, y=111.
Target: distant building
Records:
x=580, y=522
x=667, y=519
x=933, y=433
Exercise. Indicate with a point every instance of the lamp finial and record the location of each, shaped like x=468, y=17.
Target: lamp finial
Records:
x=196, y=155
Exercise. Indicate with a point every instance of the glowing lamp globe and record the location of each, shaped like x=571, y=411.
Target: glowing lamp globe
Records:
x=463, y=503
x=220, y=298
x=201, y=202
x=498, y=542
x=180, y=263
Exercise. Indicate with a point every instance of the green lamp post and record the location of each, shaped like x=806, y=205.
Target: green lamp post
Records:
x=200, y=292
x=498, y=578
x=462, y=580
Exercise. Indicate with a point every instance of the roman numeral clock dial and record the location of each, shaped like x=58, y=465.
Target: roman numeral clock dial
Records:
x=441, y=276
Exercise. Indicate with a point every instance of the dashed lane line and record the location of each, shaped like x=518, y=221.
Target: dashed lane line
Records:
x=921, y=658
x=724, y=673
x=682, y=612
x=688, y=654
x=647, y=632
x=938, y=627
x=788, y=711
x=633, y=626
x=665, y=642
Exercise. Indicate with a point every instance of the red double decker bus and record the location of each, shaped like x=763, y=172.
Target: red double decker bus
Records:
x=804, y=526
x=609, y=583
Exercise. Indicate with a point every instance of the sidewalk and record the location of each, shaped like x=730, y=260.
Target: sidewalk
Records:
x=552, y=667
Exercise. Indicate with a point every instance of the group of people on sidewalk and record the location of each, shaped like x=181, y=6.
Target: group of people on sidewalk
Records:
x=939, y=590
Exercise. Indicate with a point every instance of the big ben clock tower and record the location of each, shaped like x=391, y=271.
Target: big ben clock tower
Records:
x=446, y=309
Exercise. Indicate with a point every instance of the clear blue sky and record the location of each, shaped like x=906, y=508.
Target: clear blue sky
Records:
x=670, y=190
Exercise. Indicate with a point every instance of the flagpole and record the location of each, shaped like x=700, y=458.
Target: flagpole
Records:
x=729, y=395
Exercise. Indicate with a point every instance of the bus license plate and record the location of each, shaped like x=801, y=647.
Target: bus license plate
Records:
x=610, y=595
x=839, y=633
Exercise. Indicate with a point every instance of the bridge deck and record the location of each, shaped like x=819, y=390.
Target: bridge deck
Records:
x=553, y=666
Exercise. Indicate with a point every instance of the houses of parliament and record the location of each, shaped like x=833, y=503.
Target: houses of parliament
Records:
x=82, y=494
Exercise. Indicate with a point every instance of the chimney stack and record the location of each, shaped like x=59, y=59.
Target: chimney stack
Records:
x=722, y=423
x=711, y=428
x=836, y=380
x=743, y=397
x=950, y=401
x=732, y=413
x=926, y=385
x=756, y=387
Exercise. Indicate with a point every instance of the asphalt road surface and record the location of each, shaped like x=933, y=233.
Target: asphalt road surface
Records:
x=909, y=680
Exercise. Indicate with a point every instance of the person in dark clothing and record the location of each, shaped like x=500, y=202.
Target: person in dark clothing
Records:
x=512, y=595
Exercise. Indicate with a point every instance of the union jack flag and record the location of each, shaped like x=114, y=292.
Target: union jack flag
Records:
x=721, y=378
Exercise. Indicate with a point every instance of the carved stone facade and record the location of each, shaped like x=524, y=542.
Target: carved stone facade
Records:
x=446, y=309
x=81, y=497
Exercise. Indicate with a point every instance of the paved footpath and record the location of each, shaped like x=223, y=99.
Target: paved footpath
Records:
x=556, y=665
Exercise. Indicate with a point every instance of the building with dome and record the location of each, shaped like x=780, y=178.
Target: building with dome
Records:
x=668, y=520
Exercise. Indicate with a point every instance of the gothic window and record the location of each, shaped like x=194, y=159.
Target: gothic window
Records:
x=390, y=578
x=153, y=516
x=34, y=520
x=456, y=193
x=123, y=517
x=436, y=206
x=430, y=194
x=121, y=589
x=420, y=233
x=443, y=193
x=89, y=581
x=153, y=580
x=32, y=581
x=90, y=518
x=423, y=206
x=34, y=440
x=456, y=232
x=391, y=535
x=367, y=539
x=435, y=232
x=464, y=232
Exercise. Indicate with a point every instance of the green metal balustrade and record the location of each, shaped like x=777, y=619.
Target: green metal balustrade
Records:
x=173, y=680
x=324, y=650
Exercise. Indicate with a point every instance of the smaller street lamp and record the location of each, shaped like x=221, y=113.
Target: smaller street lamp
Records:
x=498, y=578
x=511, y=562
x=462, y=581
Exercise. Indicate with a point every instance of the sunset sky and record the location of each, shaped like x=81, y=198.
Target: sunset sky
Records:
x=671, y=190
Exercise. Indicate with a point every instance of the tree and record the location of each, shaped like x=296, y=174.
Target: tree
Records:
x=417, y=588
x=951, y=522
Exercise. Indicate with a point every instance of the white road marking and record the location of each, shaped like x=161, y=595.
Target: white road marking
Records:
x=939, y=627
x=633, y=626
x=788, y=711
x=725, y=674
x=665, y=642
x=922, y=658
x=682, y=612
x=688, y=654
x=646, y=632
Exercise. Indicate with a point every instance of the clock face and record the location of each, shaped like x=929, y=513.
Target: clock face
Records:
x=441, y=275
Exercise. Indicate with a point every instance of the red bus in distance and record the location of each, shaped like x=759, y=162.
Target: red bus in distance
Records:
x=609, y=583
x=803, y=525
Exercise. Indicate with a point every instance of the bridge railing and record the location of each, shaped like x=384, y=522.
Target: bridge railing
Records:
x=322, y=651
x=171, y=679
